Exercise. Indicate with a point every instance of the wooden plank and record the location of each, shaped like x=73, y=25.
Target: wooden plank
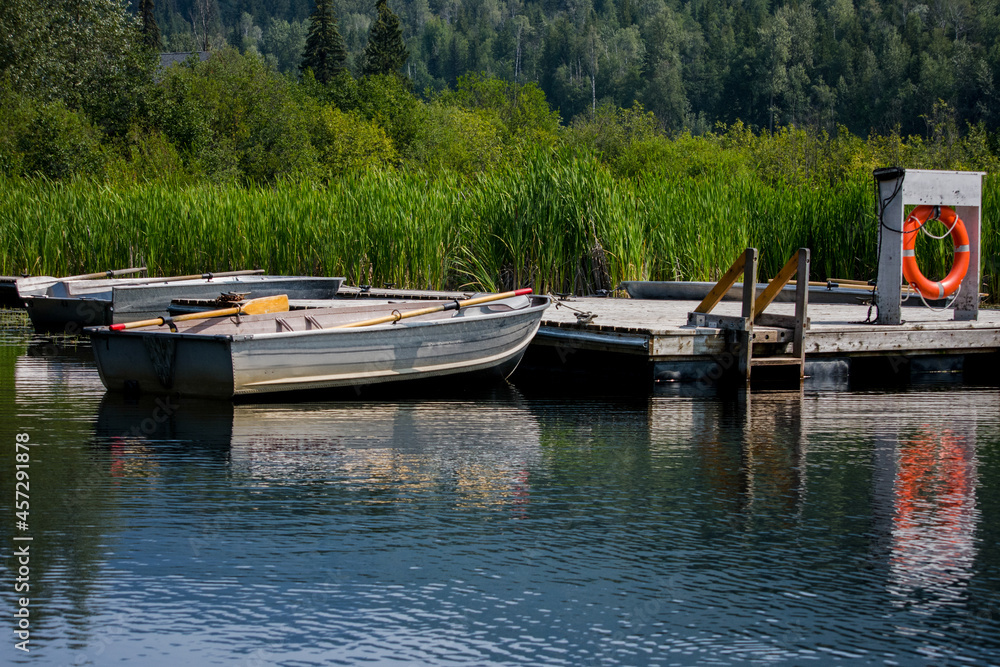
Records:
x=801, y=304
x=967, y=302
x=776, y=284
x=777, y=361
x=750, y=283
x=711, y=321
x=768, y=335
x=782, y=321
x=913, y=342
x=749, y=297
x=716, y=293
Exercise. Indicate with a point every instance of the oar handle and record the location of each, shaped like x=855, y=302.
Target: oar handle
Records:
x=157, y=321
x=494, y=297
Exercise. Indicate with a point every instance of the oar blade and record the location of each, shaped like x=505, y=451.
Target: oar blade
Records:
x=266, y=304
x=258, y=306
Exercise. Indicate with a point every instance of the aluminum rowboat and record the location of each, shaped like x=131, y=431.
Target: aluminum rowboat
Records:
x=297, y=350
x=14, y=289
x=68, y=307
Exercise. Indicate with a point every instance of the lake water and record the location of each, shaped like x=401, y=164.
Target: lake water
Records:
x=504, y=527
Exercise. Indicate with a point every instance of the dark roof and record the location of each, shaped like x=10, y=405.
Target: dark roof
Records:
x=168, y=59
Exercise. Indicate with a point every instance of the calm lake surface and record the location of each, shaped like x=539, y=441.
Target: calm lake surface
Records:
x=504, y=527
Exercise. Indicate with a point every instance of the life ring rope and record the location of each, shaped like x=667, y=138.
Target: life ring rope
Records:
x=937, y=216
x=915, y=222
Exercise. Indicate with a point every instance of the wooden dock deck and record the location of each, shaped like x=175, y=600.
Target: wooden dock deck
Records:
x=838, y=340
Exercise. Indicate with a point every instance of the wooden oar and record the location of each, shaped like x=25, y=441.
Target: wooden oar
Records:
x=105, y=274
x=206, y=276
x=265, y=304
x=451, y=305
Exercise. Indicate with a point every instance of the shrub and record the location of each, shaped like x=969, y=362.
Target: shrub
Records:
x=235, y=118
x=348, y=142
x=47, y=139
x=459, y=140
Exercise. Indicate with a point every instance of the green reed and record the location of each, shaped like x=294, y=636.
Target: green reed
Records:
x=554, y=223
x=372, y=228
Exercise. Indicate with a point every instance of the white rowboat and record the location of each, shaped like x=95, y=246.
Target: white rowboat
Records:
x=300, y=350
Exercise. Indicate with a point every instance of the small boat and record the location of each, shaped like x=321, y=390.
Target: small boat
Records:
x=226, y=357
x=69, y=306
x=14, y=289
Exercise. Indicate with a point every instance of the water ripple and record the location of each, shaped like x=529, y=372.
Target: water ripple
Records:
x=789, y=529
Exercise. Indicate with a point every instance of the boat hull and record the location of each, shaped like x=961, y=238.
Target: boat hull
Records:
x=58, y=312
x=818, y=294
x=10, y=294
x=227, y=366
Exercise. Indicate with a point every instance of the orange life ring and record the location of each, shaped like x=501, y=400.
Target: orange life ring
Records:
x=960, y=237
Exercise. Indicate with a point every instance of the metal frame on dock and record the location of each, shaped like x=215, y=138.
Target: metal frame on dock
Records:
x=899, y=188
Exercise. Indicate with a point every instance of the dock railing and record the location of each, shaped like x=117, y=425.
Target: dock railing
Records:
x=777, y=331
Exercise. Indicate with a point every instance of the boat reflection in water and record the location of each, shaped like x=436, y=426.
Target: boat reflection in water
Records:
x=379, y=452
x=782, y=526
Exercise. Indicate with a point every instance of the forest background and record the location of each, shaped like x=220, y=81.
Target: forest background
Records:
x=568, y=145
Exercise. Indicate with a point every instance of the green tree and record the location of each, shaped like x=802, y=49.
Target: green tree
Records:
x=149, y=29
x=385, y=52
x=284, y=43
x=88, y=54
x=46, y=139
x=233, y=118
x=324, y=54
x=19, y=26
x=347, y=142
x=522, y=109
x=62, y=48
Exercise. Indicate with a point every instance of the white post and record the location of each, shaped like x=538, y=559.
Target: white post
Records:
x=890, y=259
x=967, y=302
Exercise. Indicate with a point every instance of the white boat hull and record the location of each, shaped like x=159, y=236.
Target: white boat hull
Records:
x=197, y=362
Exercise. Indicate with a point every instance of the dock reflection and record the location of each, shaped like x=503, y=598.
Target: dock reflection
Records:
x=898, y=472
x=907, y=461
x=927, y=486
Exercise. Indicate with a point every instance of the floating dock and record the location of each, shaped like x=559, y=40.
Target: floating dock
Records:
x=653, y=337
x=649, y=341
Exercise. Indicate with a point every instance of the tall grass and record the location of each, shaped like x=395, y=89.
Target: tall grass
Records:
x=559, y=224
x=372, y=228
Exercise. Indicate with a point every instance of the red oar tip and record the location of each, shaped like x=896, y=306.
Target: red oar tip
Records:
x=526, y=290
x=117, y=327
